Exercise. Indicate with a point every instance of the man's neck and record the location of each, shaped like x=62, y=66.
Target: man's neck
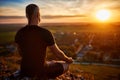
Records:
x=34, y=22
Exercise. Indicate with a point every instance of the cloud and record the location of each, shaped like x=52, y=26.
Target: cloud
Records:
x=43, y=17
x=10, y=11
x=59, y=8
x=62, y=7
x=11, y=17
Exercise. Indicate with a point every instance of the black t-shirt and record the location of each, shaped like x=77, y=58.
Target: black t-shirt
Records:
x=33, y=41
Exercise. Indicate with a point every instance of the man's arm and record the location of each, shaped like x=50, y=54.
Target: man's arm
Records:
x=60, y=54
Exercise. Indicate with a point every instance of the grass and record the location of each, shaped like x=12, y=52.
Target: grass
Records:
x=7, y=33
x=6, y=37
x=99, y=72
x=89, y=72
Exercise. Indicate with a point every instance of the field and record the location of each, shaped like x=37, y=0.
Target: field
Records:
x=99, y=72
x=69, y=37
x=7, y=31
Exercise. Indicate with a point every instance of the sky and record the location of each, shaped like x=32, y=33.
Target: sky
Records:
x=58, y=10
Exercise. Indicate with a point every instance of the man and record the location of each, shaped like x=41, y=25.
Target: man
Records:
x=32, y=42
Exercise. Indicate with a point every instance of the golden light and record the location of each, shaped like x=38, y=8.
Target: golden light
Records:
x=103, y=15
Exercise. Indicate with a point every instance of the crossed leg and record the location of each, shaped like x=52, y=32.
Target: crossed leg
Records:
x=56, y=68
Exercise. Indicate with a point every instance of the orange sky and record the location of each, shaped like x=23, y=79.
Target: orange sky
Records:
x=59, y=10
x=44, y=20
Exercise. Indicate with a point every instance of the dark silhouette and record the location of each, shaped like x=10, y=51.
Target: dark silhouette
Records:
x=32, y=41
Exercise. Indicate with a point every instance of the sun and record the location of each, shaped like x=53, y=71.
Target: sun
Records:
x=103, y=15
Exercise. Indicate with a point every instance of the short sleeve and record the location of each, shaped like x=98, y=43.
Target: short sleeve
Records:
x=49, y=38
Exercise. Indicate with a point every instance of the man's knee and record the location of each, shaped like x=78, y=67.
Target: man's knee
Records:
x=63, y=64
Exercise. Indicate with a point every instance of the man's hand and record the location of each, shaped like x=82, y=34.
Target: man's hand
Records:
x=60, y=54
x=69, y=60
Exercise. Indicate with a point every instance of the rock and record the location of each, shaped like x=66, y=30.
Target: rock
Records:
x=70, y=76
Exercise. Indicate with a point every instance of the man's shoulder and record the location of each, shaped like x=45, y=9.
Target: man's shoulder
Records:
x=27, y=27
x=22, y=28
x=37, y=28
x=43, y=29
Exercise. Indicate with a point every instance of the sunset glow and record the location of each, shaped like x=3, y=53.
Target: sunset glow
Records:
x=62, y=10
x=103, y=15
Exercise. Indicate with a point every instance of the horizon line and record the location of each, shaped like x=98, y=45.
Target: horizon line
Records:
x=45, y=16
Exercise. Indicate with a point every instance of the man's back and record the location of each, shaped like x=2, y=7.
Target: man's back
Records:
x=33, y=41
